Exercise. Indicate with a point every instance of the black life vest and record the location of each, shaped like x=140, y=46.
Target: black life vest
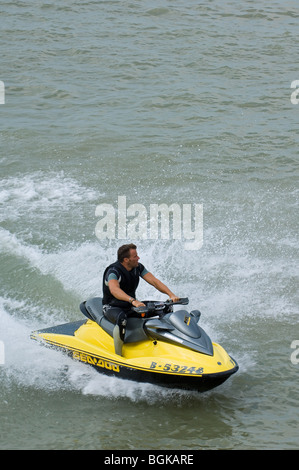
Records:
x=128, y=282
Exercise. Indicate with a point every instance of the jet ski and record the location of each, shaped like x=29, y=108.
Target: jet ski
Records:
x=162, y=346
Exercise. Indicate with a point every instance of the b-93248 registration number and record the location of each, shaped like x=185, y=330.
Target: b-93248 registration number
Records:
x=176, y=369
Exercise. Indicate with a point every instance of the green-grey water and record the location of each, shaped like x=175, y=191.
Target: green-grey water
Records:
x=161, y=102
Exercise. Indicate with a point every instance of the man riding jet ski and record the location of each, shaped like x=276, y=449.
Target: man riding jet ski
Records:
x=141, y=341
x=120, y=281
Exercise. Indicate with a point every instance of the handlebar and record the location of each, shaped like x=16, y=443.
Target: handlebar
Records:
x=153, y=307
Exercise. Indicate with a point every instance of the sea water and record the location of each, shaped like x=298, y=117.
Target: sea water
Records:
x=186, y=103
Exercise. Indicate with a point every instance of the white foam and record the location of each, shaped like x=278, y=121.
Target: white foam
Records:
x=77, y=268
x=24, y=363
x=115, y=388
x=11, y=244
x=39, y=190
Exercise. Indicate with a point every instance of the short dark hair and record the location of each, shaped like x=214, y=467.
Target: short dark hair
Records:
x=124, y=251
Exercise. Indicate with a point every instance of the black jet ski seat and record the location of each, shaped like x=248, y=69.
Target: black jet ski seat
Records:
x=93, y=310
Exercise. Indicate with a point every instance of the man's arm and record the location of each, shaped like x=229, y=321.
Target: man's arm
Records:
x=119, y=294
x=151, y=279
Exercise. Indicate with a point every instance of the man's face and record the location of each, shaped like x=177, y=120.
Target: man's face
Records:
x=133, y=259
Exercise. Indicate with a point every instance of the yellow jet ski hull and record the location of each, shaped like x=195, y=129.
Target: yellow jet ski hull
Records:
x=150, y=360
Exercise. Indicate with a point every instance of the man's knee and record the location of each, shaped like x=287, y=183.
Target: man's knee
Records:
x=122, y=323
x=112, y=313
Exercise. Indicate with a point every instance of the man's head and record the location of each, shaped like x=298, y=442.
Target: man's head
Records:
x=128, y=256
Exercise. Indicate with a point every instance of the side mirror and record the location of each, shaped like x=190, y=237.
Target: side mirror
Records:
x=196, y=314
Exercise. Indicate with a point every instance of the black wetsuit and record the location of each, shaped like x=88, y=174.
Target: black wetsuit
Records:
x=117, y=311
